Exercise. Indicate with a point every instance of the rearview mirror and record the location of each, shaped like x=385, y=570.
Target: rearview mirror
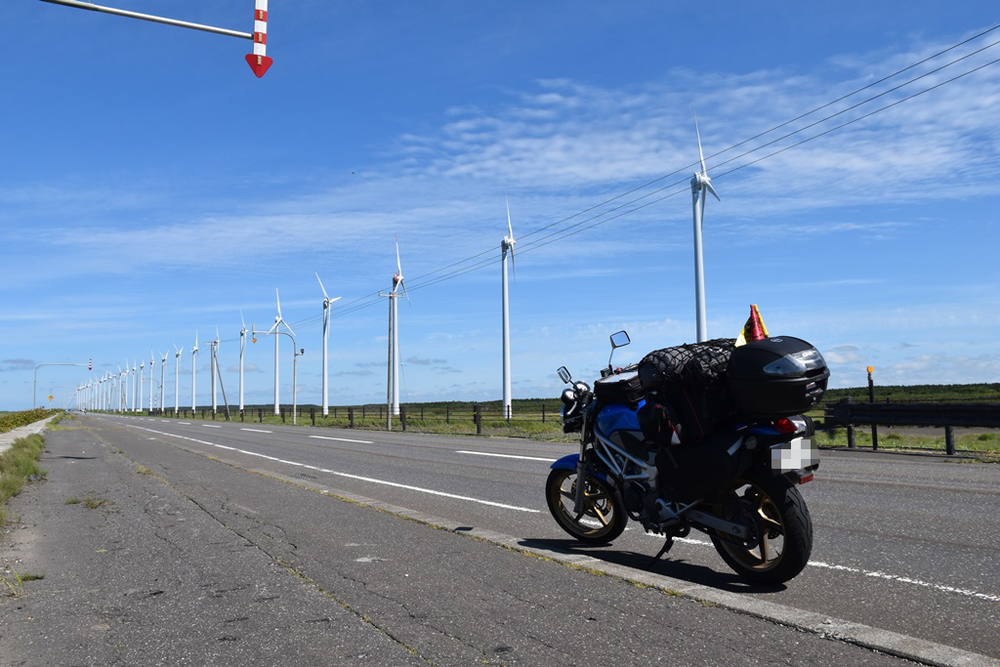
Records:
x=620, y=339
x=564, y=374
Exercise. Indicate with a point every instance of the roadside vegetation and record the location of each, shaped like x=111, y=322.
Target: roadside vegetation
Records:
x=12, y=420
x=18, y=466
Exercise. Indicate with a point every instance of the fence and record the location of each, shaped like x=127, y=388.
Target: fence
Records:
x=535, y=418
x=938, y=414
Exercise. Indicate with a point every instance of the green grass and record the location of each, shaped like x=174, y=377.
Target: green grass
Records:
x=979, y=443
x=93, y=503
x=12, y=420
x=18, y=466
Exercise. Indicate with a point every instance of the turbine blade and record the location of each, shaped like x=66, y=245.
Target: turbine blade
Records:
x=510, y=229
x=708, y=184
x=513, y=265
x=243, y=320
x=399, y=266
x=701, y=154
x=277, y=298
x=325, y=295
x=289, y=327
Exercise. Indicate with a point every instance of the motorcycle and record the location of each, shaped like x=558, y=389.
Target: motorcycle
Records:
x=747, y=498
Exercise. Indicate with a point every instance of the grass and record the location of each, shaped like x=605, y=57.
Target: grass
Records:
x=72, y=500
x=980, y=443
x=12, y=420
x=14, y=585
x=93, y=503
x=143, y=470
x=18, y=466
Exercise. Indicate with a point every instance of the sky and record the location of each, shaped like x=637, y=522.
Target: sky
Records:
x=151, y=187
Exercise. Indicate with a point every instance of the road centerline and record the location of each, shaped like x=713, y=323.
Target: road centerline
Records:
x=327, y=437
x=505, y=456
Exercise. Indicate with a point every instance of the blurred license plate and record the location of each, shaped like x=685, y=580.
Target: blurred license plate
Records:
x=796, y=454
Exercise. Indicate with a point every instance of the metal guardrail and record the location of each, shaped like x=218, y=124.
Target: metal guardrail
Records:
x=942, y=415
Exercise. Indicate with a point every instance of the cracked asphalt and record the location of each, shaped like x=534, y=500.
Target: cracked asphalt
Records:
x=193, y=559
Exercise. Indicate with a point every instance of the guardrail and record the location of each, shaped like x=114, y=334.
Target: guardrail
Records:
x=943, y=415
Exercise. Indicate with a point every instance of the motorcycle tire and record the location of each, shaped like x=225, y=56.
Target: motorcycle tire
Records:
x=782, y=523
x=603, y=518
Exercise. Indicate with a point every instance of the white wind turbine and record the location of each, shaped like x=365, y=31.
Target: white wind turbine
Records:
x=177, y=379
x=135, y=388
x=194, y=374
x=279, y=321
x=142, y=383
x=392, y=371
x=243, y=345
x=152, y=362
x=701, y=184
x=506, y=247
x=163, y=369
x=214, y=369
x=327, y=301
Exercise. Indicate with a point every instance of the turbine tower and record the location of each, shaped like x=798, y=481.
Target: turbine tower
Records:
x=392, y=368
x=327, y=301
x=163, y=370
x=142, y=383
x=214, y=371
x=152, y=362
x=243, y=345
x=701, y=184
x=194, y=374
x=279, y=321
x=177, y=379
x=506, y=247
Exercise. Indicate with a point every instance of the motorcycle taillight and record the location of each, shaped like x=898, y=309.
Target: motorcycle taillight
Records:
x=785, y=425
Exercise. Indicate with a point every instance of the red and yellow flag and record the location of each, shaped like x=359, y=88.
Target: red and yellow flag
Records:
x=754, y=329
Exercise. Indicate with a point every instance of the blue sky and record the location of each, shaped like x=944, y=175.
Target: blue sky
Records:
x=151, y=186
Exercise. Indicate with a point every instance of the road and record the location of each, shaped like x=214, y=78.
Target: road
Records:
x=903, y=544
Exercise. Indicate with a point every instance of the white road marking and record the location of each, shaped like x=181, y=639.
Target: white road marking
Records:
x=326, y=437
x=371, y=480
x=185, y=423
x=868, y=573
x=256, y=430
x=211, y=426
x=505, y=456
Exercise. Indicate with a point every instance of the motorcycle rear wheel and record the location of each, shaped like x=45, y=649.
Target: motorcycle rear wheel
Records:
x=603, y=518
x=782, y=522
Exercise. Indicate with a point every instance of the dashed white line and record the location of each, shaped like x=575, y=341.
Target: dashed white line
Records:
x=868, y=573
x=211, y=426
x=327, y=437
x=185, y=423
x=506, y=456
x=361, y=478
x=256, y=430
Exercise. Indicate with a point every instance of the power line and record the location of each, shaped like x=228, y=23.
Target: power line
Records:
x=442, y=273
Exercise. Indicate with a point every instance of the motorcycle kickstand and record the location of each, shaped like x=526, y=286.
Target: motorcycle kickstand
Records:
x=667, y=544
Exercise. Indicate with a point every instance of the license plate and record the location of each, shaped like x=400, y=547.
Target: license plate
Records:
x=796, y=454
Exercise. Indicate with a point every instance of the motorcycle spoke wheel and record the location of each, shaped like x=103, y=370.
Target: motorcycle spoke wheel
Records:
x=601, y=519
x=781, y=526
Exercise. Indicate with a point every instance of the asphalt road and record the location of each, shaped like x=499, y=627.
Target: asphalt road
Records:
x=905, y=544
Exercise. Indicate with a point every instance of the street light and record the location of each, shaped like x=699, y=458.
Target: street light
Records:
x=34, y=384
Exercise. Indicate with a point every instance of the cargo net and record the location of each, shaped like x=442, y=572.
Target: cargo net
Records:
x=689, y=380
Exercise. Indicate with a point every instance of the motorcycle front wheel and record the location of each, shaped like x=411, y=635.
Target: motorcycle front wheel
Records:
x=602, y=520
x=782, y=530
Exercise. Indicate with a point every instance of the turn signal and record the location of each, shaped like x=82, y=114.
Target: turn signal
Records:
x=785, y=425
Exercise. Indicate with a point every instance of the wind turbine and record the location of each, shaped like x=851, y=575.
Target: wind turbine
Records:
x=326, y=331
x=243, y=345
x=194, y=374
x=152, y=362
x=701, y=184
x=142, y=383
x=177, y=379
x=506, y=247
x=163, y=368
x=214, y=368
x=279, y=321
x=392, y=370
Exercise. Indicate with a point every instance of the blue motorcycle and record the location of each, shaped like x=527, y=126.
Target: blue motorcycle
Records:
x=736, y=481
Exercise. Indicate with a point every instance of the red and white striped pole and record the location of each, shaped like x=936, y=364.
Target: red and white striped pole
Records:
x=258, y=60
